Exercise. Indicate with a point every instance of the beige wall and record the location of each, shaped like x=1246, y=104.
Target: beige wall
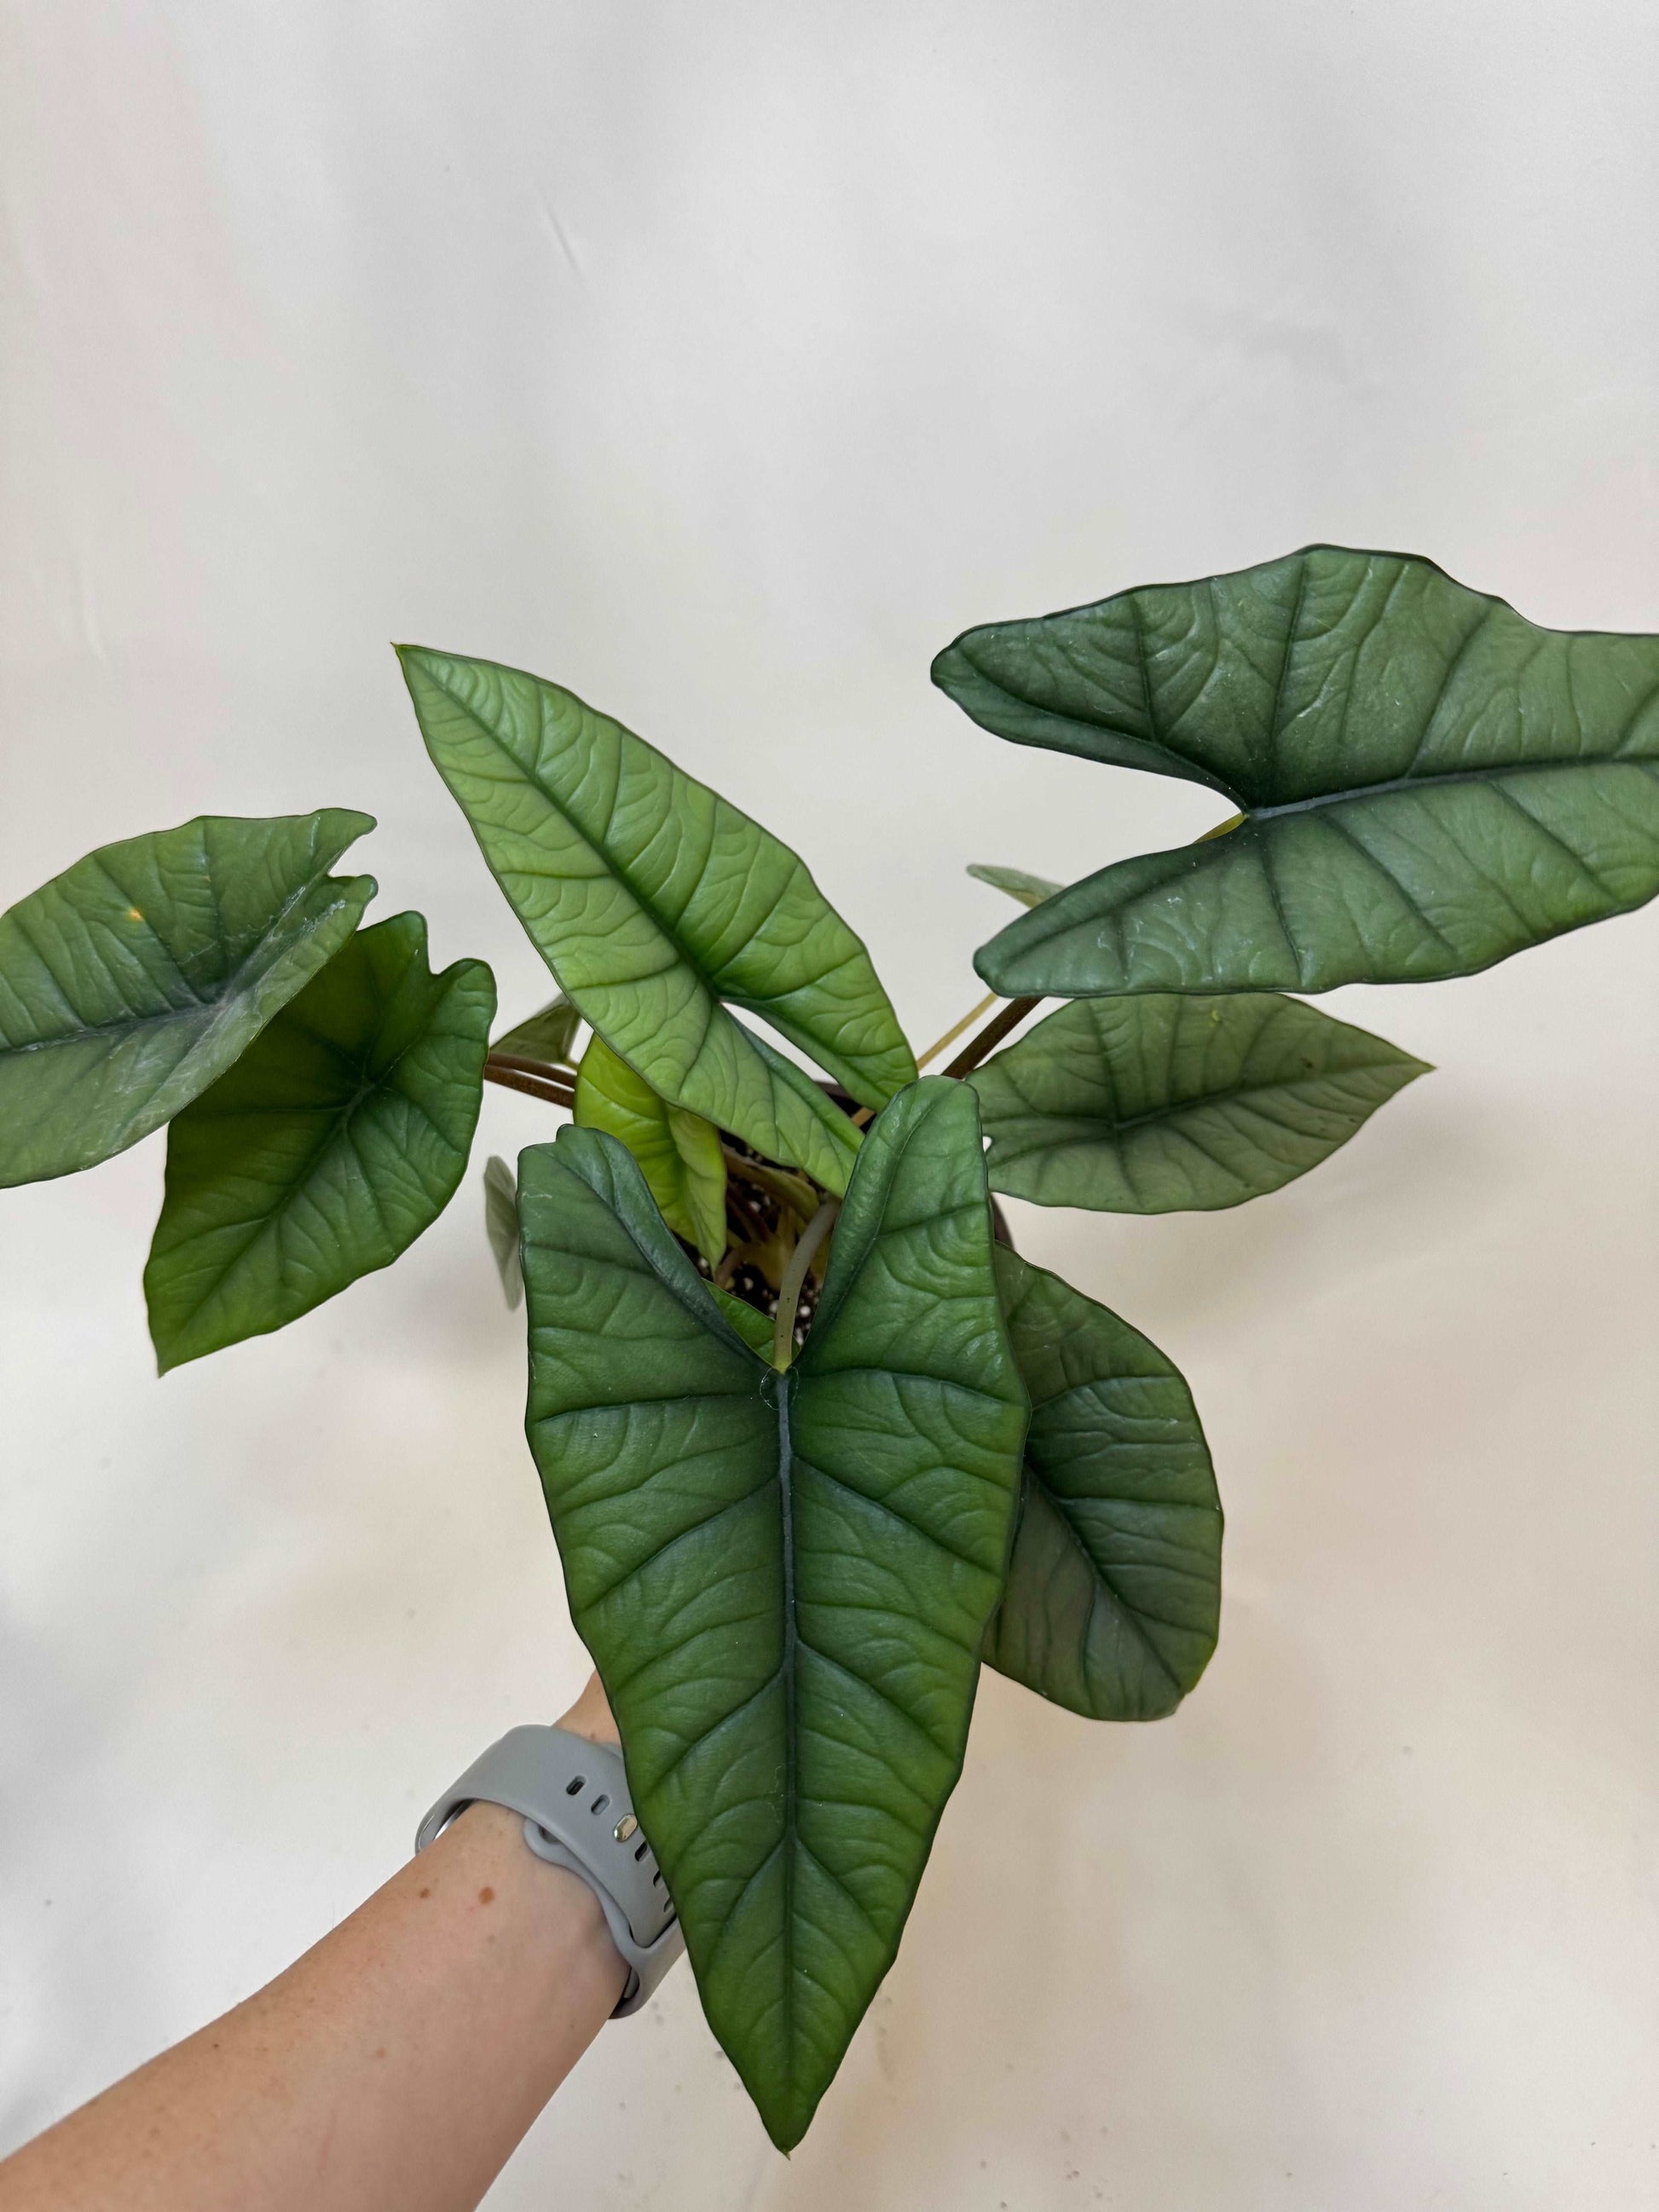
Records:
x=723, y=361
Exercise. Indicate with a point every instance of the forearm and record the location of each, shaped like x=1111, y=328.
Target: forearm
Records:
x=395, y=2065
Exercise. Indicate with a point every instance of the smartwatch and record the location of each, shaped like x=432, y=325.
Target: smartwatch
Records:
x=578, y=1814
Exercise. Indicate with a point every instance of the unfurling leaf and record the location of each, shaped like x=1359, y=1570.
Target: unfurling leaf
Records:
x=656, y=904
x=340, y=1134
x=549, y=1035
x=1030, y=891
x=1114, y=1592
x=501, y=1227
x=751, y=1325
x=129, y=983
x=1154, y=1103
x=1428, y=781
x=679, y=1153
x=784, y=1579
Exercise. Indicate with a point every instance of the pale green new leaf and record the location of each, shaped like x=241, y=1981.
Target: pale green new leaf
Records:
x=132, y=981
x=1159, y=1102
x=1030, y=891
x=679, y=1153
x=549, y=1035
x=784, y=1579
x=657, y=905
x=1428, y=782
x=1113, y=1593
x=501, y=1188
x=340, y=1134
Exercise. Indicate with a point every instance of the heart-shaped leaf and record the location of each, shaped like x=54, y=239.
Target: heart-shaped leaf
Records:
x=784, y=1579
x=132, y=981
x=1114, y=1591
x=1030, y=891
x=679, y=1152
x=1427, y=781
x=1159, y=1101
x=338, y=1136
x=656, y=903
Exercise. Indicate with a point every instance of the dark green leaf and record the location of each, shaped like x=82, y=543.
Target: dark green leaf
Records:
x=1155, y=1103
x=655, y=903
x=1428, y=782
x=501, y=1227
x=1030, y=891
x=679, y=1152
x=784, y=1579
x=338, y=1136
x=130, y=982
x=1114, y=1590
x=548, y=1036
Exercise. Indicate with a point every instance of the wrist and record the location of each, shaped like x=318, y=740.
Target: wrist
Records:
x=591, y=1716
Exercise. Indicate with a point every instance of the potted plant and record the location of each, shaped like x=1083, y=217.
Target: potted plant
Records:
x=815, y=1442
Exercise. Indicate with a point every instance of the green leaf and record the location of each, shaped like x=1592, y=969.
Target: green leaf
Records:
x=1154, y=1103
x=784, y=1579
x=655, y=903
x=1428, y=781
x=679, y=1153
x=129, y=983
x=339, y=1135
x=751, y=1325
x=501, y=1227
x=1114, y=1592
x=1030, y=891
x=548, y=1036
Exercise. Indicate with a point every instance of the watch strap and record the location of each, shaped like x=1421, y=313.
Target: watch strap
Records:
x=578, y=1814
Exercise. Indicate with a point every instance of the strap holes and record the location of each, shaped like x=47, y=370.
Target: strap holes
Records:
x=642, y=1851
x=572, y=1788
x=598, y=1804
x=656, y=1880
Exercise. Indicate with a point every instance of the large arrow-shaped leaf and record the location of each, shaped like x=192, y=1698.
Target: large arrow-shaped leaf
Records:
x=656, y=903
x=784, y=1580
x=1158, y=1102
x=1115, y=1587
x=338, y=1137
x=131, y=982
x=1427, y=781
x=679, y=1152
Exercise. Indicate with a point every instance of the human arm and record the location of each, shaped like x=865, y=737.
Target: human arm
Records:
x=393, y=2068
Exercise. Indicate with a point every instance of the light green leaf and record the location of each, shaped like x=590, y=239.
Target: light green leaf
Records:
x=548, y=1036
x=130, y=982
x=656, y=903
x=1030, y=891
x=338, y=1136
x=1114, y=1592
x=501, y=1227
x=751, y=1325
x=784, y=1579
x=679, y=1153
x=1428, y=781
x=1156, y=1103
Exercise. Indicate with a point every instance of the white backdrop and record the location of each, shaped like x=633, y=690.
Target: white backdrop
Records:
x=724, y=361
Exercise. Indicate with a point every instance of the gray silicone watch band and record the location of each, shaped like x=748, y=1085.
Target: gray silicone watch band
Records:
x=578, y=1814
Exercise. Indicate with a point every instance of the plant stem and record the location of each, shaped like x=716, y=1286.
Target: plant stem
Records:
x=533, y=1085
x=991, y=1035
x=951, y=1034
x=794, y=1281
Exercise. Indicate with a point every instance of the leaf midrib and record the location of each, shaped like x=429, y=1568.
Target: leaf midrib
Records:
x=1158, y=1116
x=717, y=997
x=209, y=1009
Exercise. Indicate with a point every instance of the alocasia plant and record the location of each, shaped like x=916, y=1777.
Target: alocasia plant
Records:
x=815, y=1441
